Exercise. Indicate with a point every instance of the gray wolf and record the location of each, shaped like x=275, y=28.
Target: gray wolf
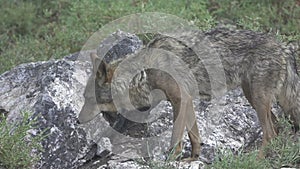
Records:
x=262, y=66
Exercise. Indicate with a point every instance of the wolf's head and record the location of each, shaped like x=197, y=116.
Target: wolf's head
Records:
x=97, y=93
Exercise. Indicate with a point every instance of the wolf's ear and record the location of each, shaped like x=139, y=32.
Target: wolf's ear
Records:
x=143, y=76
x=98, y=64
x=95, y=61
x=100, y=68
x=139, y=79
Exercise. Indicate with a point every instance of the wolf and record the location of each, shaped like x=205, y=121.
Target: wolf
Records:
x=264, y=67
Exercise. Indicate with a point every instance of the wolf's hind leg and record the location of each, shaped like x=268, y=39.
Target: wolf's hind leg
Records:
x=261, y=102
x=193, y=130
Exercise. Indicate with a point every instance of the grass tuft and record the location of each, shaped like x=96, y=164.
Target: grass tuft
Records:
x=18, y=148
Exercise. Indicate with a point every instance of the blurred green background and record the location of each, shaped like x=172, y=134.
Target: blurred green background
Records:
x=34, y=30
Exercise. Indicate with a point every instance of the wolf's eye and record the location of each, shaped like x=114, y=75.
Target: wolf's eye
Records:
x=143, y=76
x=100, y=77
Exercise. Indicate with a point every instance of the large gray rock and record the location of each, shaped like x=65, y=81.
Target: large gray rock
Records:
x=53, y=91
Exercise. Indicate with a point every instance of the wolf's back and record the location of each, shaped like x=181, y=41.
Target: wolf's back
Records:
x=221, y=57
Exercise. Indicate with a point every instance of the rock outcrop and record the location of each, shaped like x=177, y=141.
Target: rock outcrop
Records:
x=53, y=91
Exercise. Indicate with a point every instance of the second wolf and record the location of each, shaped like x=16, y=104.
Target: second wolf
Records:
x=263, y=67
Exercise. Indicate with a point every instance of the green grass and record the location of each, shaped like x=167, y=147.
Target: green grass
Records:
x=17, y=148
x=53, y=29
x=282, y=151
x=269, y=15
x=241, y=160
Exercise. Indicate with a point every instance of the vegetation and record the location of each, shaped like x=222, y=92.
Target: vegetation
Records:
x=34, y=30
x=53, y=29
x=282, y=151
x=17, y=148
x=241, y=160
x=270, y=15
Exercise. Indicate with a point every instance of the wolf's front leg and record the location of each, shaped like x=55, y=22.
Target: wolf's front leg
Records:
x=179, y=124
x=184, y=116
x=177, y=134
